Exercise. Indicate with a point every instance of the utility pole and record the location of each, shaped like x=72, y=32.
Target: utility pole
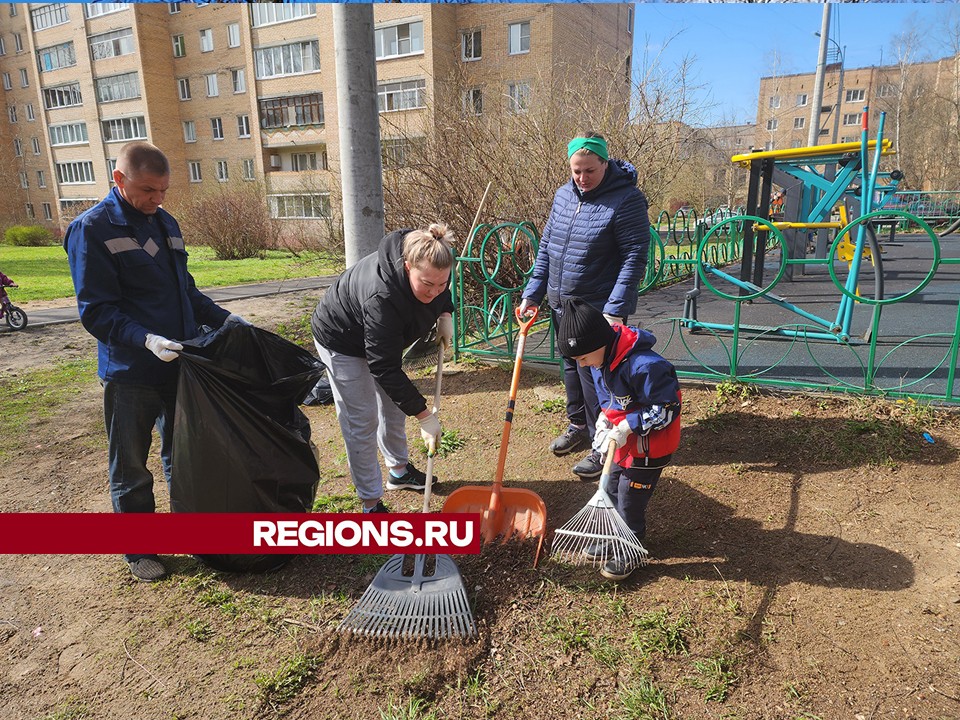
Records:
x=359, y=132
x=814, y=131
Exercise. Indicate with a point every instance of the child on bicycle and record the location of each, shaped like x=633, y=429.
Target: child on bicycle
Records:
x=5, y=282
x=639, y=409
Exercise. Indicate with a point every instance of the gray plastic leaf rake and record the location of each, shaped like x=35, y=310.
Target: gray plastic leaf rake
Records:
x=414, y=604
x=599, y=528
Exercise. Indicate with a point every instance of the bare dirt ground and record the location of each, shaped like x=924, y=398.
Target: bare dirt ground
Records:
x=805, y=565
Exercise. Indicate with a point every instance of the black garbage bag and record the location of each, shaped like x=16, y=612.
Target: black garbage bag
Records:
x=321, y=394
x=240, y=441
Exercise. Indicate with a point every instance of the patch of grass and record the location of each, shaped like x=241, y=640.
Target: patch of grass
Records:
x=336, y=503
x=72, y=709
x=415, y=709
x=643, y=700
x=657, y=632
x=552, y=405
x=570, y=634
x=605, y=652
x=450, y=442
x=288, y=680
x=224, y=600
x=716, y=677
x=40, y=393
x=199, y=630
x=297, y=331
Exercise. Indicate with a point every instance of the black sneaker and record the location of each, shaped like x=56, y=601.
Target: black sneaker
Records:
x=590, y=468
x=148, y=569
x=597, y=551
x=378, y=508
x=571, y=439
x=618, y=568
x=412, y=479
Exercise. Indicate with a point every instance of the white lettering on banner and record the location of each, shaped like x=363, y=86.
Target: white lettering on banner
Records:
x=467, y=537
x=350, y=533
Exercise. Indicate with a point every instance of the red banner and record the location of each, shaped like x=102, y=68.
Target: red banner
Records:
x=239, y=533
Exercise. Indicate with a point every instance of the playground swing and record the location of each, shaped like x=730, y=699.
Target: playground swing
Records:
x=811, y=197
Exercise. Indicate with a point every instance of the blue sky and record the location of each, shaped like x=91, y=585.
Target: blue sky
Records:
x=732, y=46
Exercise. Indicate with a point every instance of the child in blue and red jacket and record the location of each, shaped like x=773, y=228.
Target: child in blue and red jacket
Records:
x=640, y=408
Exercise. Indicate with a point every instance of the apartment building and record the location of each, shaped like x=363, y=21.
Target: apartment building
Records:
x=783, y=112
x=245, y=92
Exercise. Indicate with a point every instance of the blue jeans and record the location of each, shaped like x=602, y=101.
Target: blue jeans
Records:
x=583, y=406
x=130, y=413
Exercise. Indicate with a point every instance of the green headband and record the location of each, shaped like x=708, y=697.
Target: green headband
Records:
x=598, y=146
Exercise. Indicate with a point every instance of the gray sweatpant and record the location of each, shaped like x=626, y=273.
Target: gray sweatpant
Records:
x=355, y=394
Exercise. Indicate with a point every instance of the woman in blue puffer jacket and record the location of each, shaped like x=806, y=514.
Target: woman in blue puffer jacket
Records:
x=594, y=246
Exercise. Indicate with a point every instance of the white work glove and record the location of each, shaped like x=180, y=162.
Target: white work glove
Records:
x=445, y=330
x=613, y=319
x=164, y=349
x=526, y=305
x=605, y=433
x=430, y=430
x=234, y=318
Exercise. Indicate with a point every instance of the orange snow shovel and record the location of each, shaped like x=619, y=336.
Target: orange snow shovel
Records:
x=506, y=511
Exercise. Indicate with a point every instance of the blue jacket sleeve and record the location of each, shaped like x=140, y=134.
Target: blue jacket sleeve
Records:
x=537, y=284
x=205, y=310
x=632, y=234
x=97, y=285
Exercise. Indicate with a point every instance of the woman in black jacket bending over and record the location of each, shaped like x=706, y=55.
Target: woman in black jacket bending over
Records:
x=377, y=308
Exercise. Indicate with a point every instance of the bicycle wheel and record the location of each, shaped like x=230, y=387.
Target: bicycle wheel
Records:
x=16, y=318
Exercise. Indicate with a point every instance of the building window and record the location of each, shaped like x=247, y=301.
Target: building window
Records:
x=17, y=147
x=24, y=78
x=179, y=46
x=183, y=88
x=854, y=95
x=798, y=123
x=851, y=118
x=62, y=96
x=56, y=57
x=97, y=9
x=12, y=113
x=300, y=206
x=30, y=211
x=18, y=42
x=123, y=129
x=7, y=83
x=233, y=35
x=473, y=101
x=239, y=80
x=49, y=15
x=213, y=88
x=399, y=40
x=3, y=46
x=288, y=111
x=111, y=166
x=471, y=46
x=30, y=114
x=802, y=100
x=292, y=59
x=111, y=44
x=406, y=95
x=118, y=87
x=223, y=174
x=774, y=102
x=206, y=40
x=47, y=211
x=394, y=152
x=630, y=19
x=519, y=38
x=248, y=168
x=189, y=131
x=194, y=168
x=41, y=179
x=243, y=126
x=13, y=10
x=35, y=142
x=772, y=124
x=886, y=90
x=174, y=8
x=24, y=182
x=216, y=128
x=519, y=94
x=68, y=134
x=303, y=162
x=269, y=13
x=73, y=173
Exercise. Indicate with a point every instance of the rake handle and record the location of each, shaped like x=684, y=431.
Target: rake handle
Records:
x=432, y=448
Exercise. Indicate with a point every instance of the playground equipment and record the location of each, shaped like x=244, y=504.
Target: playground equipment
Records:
x=817, y=180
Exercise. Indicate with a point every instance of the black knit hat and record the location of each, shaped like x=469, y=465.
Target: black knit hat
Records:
x=582, y=329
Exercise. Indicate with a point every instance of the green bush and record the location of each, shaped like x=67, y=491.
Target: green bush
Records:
x=28, y=236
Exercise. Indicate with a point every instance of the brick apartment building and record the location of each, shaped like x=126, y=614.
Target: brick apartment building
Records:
x=248, y=91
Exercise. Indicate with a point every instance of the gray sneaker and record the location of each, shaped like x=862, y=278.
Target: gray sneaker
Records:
x=590, y=468
x=571, y=439
x=148, y=569
x=618, y=568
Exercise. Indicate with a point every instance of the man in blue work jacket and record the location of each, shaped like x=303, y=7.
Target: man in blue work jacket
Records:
x=135, y=296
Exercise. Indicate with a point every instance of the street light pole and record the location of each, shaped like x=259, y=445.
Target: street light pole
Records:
x=814, y=131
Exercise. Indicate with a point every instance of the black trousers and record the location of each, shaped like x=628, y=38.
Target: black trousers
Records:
x=583, y=407
x=632, y=488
